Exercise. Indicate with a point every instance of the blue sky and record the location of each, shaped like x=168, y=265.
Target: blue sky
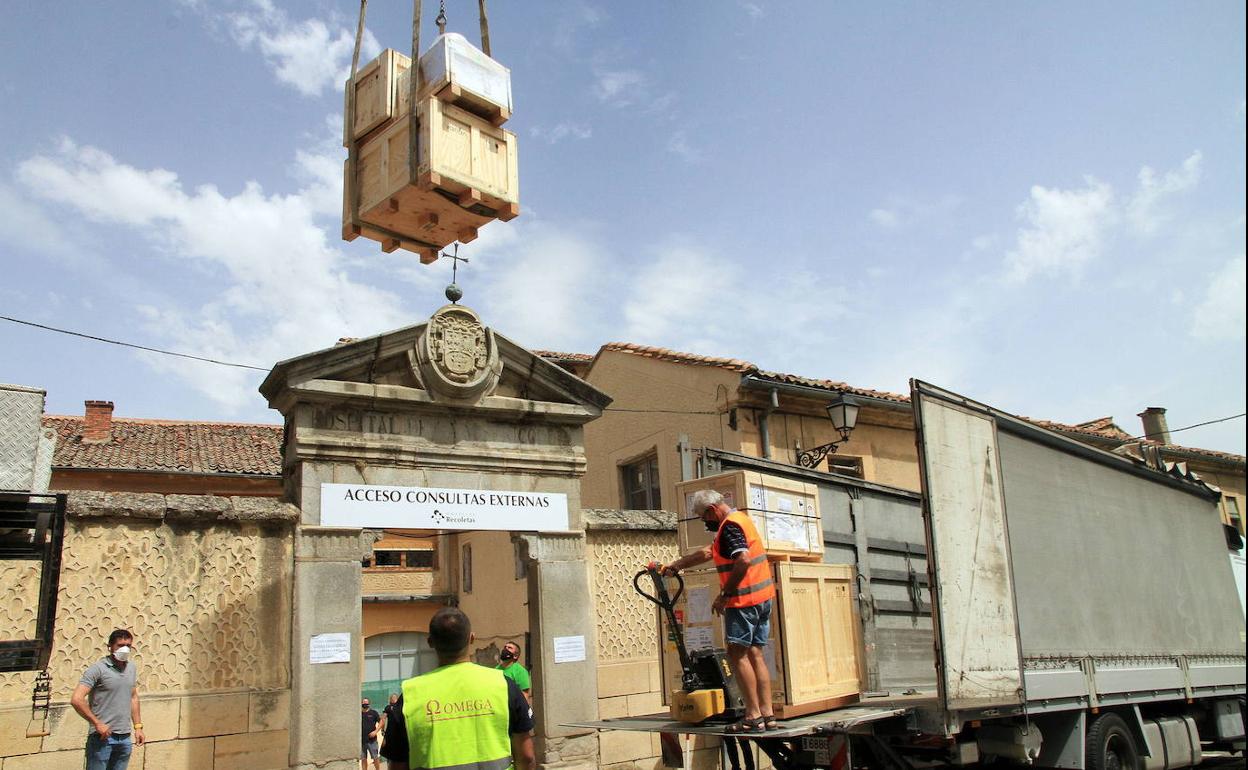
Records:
x=1039, y=205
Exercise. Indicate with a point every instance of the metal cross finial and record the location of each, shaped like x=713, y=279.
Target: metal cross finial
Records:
x=453, y=292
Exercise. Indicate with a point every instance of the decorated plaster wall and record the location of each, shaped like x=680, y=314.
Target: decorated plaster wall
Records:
x=208, y=602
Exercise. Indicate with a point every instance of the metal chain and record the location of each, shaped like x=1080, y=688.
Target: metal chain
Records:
x=441, y=19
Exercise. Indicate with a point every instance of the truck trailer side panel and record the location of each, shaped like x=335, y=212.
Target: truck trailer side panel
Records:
x=1110, y=564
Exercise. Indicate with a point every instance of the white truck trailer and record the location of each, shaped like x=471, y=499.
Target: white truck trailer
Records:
x=1041, y=601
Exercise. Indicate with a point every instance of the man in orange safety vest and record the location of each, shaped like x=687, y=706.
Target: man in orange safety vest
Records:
x=745, y=600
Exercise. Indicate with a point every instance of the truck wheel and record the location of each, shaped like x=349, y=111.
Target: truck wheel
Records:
x=1111, y=746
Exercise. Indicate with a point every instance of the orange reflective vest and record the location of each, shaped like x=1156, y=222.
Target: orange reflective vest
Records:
x=756, y=587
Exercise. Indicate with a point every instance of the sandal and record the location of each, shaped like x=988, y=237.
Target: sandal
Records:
x=770, y=722
x=746, y=726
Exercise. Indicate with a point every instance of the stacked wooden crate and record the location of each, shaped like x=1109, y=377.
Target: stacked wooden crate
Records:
x=465, y=174
x=785, y=512
x=815, y=652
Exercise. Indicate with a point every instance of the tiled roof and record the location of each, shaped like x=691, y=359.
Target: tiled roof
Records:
x=675, y=356
x=1228, y=456
x=745, y=367
x=555, y=355
x=168, y=445
x=1106, y=426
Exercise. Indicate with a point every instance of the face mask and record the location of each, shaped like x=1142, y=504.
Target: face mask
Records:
x=507, y=655
x=711, y=526
x=122, y=654
x=364, y=705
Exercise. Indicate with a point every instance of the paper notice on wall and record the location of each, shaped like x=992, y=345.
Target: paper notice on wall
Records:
x=788, y=529
x=698, y=604
x=569, y=649
x=784, y=504
x=330, y=648
x=699, y=638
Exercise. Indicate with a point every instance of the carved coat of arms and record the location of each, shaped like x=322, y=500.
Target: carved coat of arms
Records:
x=456, y=355
x=457, y=346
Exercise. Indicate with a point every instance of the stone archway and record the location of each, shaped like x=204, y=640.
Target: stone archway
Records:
x=446, y=404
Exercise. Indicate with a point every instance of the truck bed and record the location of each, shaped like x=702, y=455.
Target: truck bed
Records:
x=839, y=720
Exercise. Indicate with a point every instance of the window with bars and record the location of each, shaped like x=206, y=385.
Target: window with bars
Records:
x=397, y=656
x=640, y=484
x=402, y=558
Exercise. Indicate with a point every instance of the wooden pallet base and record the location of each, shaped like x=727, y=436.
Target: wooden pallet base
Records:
x=791, y=710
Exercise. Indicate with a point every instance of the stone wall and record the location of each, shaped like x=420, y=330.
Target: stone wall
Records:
x=204, y=583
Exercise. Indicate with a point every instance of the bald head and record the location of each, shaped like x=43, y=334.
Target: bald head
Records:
x=450, y=631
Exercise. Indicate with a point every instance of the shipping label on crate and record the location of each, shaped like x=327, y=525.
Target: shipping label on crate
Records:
x=789, y=529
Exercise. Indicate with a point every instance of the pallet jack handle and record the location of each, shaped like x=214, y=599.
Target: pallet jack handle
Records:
x=667, y=603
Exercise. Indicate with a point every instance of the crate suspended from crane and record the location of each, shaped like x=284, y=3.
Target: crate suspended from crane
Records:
x=464, y=174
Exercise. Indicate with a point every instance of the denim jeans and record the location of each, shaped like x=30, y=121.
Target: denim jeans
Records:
x=111, y=753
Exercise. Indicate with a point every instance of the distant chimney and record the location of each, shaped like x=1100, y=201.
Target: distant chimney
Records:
x=99, y=422
x=1155, y=428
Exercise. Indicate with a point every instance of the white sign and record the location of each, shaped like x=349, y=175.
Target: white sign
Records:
x=330, y=648
x=569, y=649
x=380, y=507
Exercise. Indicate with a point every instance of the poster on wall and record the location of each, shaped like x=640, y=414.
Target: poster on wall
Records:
x=380, y=507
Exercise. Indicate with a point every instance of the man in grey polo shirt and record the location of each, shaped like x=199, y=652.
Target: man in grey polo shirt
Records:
x=107, y=698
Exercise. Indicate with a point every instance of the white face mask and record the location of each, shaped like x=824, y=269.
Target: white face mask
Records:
x=122, y=654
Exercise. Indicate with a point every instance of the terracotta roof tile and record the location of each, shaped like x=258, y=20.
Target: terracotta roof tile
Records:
x=745, y=367
x=675, y=356
x=169, y=445
x=554, y=355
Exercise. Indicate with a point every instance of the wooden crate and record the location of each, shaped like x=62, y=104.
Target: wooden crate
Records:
x=786, y=512
x=376, y=95
x=458, y=72
x=466, y=176
x=815, y=651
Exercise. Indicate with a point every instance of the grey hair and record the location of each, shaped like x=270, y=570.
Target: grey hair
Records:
x=703, y=499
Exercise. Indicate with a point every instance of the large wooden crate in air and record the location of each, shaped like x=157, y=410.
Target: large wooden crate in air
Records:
x=815, y=651
x=785, y=512
x=465, y=176
x=452, y=69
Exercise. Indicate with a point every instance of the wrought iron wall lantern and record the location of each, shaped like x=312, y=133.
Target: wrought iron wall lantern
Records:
x=843, y=411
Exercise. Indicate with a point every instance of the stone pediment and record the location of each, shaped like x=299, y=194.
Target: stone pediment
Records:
x=451, y=361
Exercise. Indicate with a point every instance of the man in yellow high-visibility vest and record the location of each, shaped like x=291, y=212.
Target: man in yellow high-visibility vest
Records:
x=460, y=714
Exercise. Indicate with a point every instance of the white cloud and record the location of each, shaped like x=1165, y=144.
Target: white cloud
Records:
x=282, y=287
x=1145, y=210
x=678, y=299
x=307, y=55
x=678, y=144
x=884, y=217
x=619, y=88
x=753, y=10
x=560, y=131
x=1064, y=230
x=1220, y=316
x=543, y=286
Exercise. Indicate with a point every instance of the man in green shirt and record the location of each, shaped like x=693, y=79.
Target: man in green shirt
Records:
x=509, y=662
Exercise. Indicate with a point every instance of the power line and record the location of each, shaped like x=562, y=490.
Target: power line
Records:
x=609, y=409
x=131, y=345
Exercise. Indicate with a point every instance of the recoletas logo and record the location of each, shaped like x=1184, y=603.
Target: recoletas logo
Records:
x=469, y=708
x=451, y=518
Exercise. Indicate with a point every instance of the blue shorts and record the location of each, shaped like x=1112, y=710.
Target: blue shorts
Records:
x=748, y=626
